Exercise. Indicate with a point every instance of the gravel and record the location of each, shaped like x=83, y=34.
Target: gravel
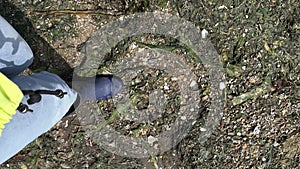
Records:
x=258, y=43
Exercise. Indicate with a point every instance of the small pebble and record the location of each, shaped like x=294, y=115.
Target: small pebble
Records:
x=203, y=129
x=204, y=33
x=174, y=79
x=256, y=130
x=151, y=140
x=166, y=87
x=222, y=85
x=183, y=117
x=194, y=85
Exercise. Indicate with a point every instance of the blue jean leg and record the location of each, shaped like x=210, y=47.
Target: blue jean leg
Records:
x=15, y=57
x=24, y=128
x=15, y=53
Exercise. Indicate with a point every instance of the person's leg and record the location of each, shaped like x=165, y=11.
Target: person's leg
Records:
x=25, y=127
x=15, y=56
x=15, y=53
x=46, y=112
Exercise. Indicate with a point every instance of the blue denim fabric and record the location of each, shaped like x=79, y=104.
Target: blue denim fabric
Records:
x=15, y=53
x=24, y=128
x=15, y=56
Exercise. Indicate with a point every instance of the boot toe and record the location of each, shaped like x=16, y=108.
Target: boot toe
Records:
x=117, y=85
x=107, y=87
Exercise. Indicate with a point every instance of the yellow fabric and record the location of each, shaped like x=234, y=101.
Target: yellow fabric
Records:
x=10, y=98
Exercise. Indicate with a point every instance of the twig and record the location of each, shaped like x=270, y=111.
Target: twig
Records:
x=77, y=12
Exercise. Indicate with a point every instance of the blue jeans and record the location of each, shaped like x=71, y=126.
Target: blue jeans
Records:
x=15, y=57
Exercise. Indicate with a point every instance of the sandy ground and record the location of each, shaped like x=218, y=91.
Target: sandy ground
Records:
x=258, y=44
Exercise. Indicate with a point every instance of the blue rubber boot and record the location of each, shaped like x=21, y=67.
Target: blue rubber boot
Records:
x=107, y=86
x=100, y=87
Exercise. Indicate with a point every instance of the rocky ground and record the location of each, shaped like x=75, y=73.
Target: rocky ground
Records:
x=258, y=43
